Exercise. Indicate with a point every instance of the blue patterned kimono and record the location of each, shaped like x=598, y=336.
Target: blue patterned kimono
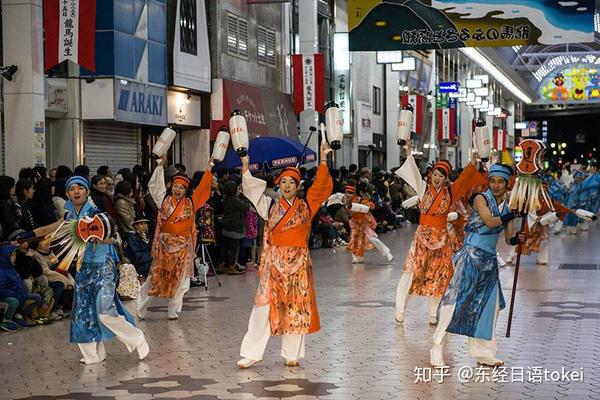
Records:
x=574, y=200
x=476, y=283
x=590, y=193
x=95, y=287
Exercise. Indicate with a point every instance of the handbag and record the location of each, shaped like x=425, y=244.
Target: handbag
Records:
x=129, y=285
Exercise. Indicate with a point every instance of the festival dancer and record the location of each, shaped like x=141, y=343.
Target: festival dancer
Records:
x=362, y=235
x=590, y=194
x=285, y=303
x=173, y=248
x=473, y=298
x=574, y=202
x=428, y=267
x=97, y=313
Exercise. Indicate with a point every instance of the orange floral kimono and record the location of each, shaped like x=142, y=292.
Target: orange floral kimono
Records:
x=430, y=254
x=359, y=222
x=173, y=248
x=286, y=279
x=536, y=234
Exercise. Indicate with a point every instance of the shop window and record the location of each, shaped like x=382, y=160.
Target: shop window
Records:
x=188, y=27
x=376, y=100
x=237, y=36
x=267, y=46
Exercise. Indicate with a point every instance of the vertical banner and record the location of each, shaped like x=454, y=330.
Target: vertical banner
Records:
x=446, y=117
x=418, y=104
x=500, y=139
x=69, y=30
x=309, y=82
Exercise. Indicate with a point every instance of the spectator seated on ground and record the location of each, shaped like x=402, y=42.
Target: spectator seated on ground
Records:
x=63, y=285
x=36, y=282
x=13, y=292
x=138, y=247
x=326, y=230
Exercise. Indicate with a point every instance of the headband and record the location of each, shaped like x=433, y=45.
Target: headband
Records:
x=444, y=165
x=77, y=180
x=501, y=171
x=292, y=172
x=350, y=188
x=180, y=179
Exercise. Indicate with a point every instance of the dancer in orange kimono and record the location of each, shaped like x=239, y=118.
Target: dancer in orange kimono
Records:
x=428, y=267
x=536, y=233
x=285, y=303
x=173, y=247
x=362, y=234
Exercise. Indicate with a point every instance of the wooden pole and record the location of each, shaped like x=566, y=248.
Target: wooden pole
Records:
x=516, y=277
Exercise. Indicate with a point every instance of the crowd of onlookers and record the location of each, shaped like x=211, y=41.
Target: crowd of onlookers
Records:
x=33, y=292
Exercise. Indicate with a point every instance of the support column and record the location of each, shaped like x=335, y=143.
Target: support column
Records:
x=392, y=107
x=309, y=44
x=24, y=125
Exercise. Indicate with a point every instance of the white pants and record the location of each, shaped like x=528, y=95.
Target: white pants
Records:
x=479, y=348
x=127, y=333
x=402, y=295
x=175, y=302
x=542, y=256
x=259, y=332
x=383, y=249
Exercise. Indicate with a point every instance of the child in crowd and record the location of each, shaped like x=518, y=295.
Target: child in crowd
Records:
x=138, y=247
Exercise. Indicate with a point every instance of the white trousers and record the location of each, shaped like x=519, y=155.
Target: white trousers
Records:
x=259, y=331
x=542, y=256
x=402, y=295
x=175, y=302
x=383, y=249
x=127, y=333
x=479, y=348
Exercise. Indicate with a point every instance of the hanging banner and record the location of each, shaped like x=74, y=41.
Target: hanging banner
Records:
x=446, y=118
x=309, y=82
x=500, y=139
x=389, y=25
x=69, y=32
x=418, y=104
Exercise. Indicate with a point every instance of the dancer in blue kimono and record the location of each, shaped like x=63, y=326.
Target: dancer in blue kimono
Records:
x=574, y=201
x=473, y=298
x=98, y=314
x=590, y=195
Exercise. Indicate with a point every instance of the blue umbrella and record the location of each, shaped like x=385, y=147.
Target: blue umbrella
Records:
x=272, y=151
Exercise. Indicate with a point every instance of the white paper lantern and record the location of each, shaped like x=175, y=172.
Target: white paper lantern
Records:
x=413, y=201
x=164, y=142
x=483, y=144
x=404, y=124
x=334, y=124
x=359, y=208
x=238, y=130
x=587, y=215
x=221, y=144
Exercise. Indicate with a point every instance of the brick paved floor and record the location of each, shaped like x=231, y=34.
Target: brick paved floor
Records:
x=360, y=353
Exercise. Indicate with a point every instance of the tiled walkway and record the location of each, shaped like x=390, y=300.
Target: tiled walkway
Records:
x=360, y=353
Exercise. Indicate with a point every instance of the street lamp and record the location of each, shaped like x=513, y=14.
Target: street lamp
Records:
x=553, y=145
x=564, y=145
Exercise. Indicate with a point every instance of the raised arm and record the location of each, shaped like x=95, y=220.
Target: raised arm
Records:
x=253, y=190
x=469, y=178
x=156, y=185
x=202, y=192
x=410, y=173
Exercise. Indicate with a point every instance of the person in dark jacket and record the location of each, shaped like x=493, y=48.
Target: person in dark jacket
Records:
x=14, y=292
x=234, y=225
x=99, y=196
x=138, y=247
x=42, y=206
x=24, y=192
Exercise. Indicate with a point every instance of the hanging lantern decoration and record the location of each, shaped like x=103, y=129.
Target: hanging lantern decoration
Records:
x=238, y=130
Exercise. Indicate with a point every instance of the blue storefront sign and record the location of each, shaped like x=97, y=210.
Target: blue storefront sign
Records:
x=449, y=87
x=140, y=103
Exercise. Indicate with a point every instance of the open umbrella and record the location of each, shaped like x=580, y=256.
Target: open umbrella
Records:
x=274, y=152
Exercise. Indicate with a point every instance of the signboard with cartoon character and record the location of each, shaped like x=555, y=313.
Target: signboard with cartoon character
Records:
x=440, y=24
x=573, y=83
